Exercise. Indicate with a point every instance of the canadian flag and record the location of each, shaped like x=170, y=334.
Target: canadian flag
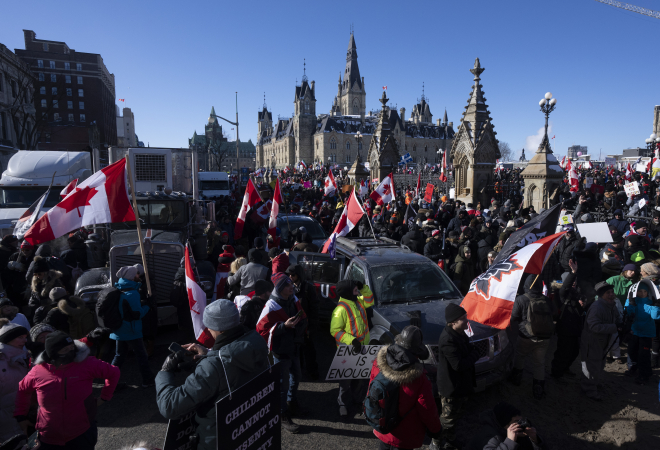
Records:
x=197, y=302
x=588, y=165
x=562, y=164
x=629, y=172
x=250, y=199
x=364, y=190
x=330, y=184
x=275, y=210
x=490, y=298
x=384, y=193
x=443, y=170
x=101, y=198
x=69, y=188
x=349, y=218
x=572, y=176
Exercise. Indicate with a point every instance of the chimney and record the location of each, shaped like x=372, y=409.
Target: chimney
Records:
x=312, y=85
x=402, y=113
x=450, y=124
x=438, y=122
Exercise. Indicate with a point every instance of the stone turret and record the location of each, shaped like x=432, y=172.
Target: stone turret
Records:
x=543, y=176
x=383, y=155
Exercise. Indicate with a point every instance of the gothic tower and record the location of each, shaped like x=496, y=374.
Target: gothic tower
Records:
x=383, y=154
x=304, y=121
x=352, y=94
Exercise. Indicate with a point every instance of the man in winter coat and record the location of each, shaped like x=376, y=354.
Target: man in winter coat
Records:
x=485, y=246
x=349, y=326
x=306, y=245
x=282, y=324
x=569, y=325
x=237, y=356
x=565, y=247
x=248, y=274
x=251, y=309
x=464, y=269
x=589, y=270
x=599, y=325
x=456, y=373
x=130, y=332
x=14, y=365
x=400, y=363
x=531, y=344
x=614, y=250
x=499, y=430
x=433, y=248
x=459, y=222
x=414, y=239
x=306, y=292
x=61, y=380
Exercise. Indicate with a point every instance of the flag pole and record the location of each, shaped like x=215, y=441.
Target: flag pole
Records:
x=137, y=223
x=368, y=220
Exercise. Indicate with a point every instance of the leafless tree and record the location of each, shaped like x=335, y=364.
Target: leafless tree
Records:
x=219, y=154
x=505, y=151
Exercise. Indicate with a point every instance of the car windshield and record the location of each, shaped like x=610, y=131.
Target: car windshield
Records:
x=411, y=282
x=21, y=197
x=313, y=228
x=214, y=185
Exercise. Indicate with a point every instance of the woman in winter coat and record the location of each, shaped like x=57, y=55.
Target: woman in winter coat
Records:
x=13, y=367
x=62, y=381
x=43, y=280
x=464, y=269
x=400, y=363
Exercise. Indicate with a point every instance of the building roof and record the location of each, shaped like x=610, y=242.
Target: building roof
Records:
x=304, y=91
x=352, y=71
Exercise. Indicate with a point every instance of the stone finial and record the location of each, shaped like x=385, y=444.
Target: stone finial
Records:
x=477, y=70
x=384, y=99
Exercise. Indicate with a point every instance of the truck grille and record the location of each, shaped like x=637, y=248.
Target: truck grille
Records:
x=161, y=271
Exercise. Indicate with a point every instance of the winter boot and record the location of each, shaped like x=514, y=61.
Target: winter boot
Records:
x=516, y=377
x=538, y=389
x=654, y=359
x=632, y=371
x=288, y=424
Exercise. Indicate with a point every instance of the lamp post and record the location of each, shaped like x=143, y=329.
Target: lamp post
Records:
x=236, y=125
x=358, y=138
x=547, y=105
x=652, y=142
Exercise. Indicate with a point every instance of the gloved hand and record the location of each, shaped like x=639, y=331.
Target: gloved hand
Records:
x=98, y=335
x=357, y=346
x=173, y=361
x=359, y=285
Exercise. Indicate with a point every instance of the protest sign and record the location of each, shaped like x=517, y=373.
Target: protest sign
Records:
x=588, y=182
x=452, y=193
x=428, y=194
x=350, y=365
x=642, y=202
x=250, y=415
x=179, y=432
x=565, y=220
x=307, y=184
x=610, y=161
x=631, y=189
x=595, y=232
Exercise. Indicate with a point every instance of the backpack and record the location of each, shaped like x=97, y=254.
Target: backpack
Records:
x=539, y=318
x=381, y=406
x=107, y=309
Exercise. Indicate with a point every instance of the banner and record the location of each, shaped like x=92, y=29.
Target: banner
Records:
x=428, y=193
x=350, y=365
x=250, y=416
x=179, y=432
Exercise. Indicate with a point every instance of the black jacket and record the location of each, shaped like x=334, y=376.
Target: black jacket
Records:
x=306, y=292
x=433, y=249
x=491, y=435
x=570, y=311
x=414, y=240
x=565, y=251
x=521, y=305
x=251, y=311
x=456, y=358
x=286, y=340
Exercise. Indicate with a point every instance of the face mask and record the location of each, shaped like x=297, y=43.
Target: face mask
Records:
x=66, y=358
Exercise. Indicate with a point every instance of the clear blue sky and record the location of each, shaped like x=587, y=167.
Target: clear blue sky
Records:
x=173, y=60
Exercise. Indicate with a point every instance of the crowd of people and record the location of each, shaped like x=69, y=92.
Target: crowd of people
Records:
x=597, y=299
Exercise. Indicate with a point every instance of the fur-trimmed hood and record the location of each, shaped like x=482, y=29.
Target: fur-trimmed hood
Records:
x=401, y=377
x=71, y=310
x=82, y=352
x=44, y=286
x=13, y=311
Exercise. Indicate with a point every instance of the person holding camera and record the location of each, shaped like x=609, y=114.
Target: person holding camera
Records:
x=504, y=428
x=130, y=332
x=238, y=355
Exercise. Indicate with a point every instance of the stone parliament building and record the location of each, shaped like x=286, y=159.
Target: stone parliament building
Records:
x=330, y=138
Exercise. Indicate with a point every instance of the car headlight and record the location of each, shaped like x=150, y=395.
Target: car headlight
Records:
x=89, y=296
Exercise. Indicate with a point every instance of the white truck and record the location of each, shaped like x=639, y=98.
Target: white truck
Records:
x=28, y=175
x=213, y=184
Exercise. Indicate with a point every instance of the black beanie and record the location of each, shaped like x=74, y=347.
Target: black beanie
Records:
x=504, y=412
x=40, y=264
x=10, y=331
x=453, y=312
x=262, y=286
x=55, y=342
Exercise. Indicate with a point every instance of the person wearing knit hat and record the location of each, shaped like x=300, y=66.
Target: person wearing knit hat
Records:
x=499, y=428
x=621, y=284
x=13, y=368
x=127, y=273
x=9, y=311
x=456, y=373
x=649, y=270
x=237, y=356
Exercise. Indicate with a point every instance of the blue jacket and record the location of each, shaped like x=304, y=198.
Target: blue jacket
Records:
x=645, y=314
x=130, y=294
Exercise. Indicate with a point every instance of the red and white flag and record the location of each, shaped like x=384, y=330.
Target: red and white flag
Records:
x=275, y=210
x=197, y=303
x=69, y=188
x=562, y=164
x=572, y=176
x=443, y=170
x=30, y=216
x=250, y=199
x=629, y=172
x=349, y=218
x=271, y=316
x=588, y=165
x=384, y=193
x=330, y=184
x=101, y=198
x=222, y=273
x=490, y=298
x=364, y=190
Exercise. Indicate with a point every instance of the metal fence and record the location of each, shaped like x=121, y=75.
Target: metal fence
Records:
x=403, y=180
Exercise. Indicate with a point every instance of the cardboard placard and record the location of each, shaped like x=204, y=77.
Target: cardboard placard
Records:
x=250, y=416
x=631, y=189
x=349, y=365
x=428, y=193
x=179, y=432
x=452, y=193
x=565, y=220
x=588, y=182
x=642, y=202
x=595, y=232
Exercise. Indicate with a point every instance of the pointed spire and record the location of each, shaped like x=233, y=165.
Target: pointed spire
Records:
x=423, y=97
x=476, y=112
x=265, y=107
x=212, y=115
x=304, y=78
x=444, y=119
x=351, y=43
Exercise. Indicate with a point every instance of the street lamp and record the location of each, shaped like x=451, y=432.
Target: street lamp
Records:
x=652, y=142
x=358, y=138
x=547, y=105
x=235, y=124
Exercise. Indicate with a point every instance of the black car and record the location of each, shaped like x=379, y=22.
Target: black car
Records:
x=405, y=285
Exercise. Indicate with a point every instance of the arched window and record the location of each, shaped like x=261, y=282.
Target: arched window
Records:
x=306, y=106
x=348, y=157
x=348, y=145
x=425, y=149
x=414, y=148
x=333, y=144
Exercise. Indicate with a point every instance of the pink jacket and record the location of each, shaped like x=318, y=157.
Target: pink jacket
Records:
x=64, y=394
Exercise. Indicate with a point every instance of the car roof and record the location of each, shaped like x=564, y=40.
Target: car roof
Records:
x=381, y=251
x=282, y=217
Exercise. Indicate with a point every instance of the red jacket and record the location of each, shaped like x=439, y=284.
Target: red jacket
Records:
x=416, y=396
x=280, y=263
x=64, y=394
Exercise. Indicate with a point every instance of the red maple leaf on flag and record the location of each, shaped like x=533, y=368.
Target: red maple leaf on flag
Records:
x=327, y=183
x=192, y=302
x=80, y=198
x=386, y=189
